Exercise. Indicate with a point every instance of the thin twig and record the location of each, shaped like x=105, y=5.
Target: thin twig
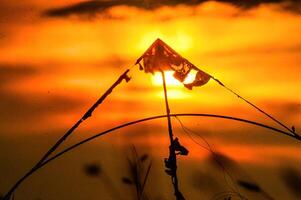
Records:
x=67, y=134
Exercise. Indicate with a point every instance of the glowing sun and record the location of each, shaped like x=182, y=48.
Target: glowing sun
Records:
x=170, y=80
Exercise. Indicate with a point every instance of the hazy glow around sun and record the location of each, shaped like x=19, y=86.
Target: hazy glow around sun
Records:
x=176, y=89
x=170, y=80
x=180, y=41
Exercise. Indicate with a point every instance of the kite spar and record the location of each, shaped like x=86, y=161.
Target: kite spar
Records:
x=171, y=161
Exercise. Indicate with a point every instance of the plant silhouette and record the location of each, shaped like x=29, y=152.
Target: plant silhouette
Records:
x=139, y=168
x=292, y=179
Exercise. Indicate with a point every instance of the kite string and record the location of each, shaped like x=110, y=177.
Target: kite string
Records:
x=210, y=150
x=292, y=130
x=256, y=107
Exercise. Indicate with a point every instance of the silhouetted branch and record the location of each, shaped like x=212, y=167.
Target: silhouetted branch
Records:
x=68, y=133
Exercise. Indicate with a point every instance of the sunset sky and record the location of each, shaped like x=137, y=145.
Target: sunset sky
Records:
x=58, y=57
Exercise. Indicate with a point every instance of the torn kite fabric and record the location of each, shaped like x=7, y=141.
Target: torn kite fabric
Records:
x=160, y=57
x=201, y=78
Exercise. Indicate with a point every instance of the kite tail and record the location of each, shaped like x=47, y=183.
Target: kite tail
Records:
x=257, y=108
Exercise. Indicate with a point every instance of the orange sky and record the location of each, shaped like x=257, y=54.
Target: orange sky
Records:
x=53, y=68
x=249, y=50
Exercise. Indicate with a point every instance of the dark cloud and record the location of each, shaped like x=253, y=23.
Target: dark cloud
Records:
x=259, y=50
x=203, y=181
x=15, y=72
x=19, y=107
x=291, y=108
x=292, y=179
x=88, y=7
x=95, y=6
x=286, y=109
